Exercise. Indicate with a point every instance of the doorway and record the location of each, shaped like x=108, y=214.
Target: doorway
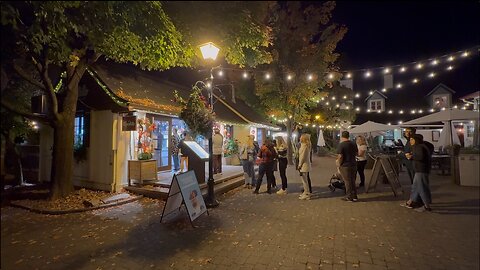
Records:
x=161, y=142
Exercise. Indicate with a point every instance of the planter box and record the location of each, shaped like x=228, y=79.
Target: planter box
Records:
x=232, y=160
x=142, y=170
x=469, y=169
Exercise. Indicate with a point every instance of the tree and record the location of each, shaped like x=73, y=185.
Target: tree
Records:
x=73, y=35
x=304, y=41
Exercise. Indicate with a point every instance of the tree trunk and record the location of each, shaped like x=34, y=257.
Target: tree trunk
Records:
x=62, y=162
x=63, y=138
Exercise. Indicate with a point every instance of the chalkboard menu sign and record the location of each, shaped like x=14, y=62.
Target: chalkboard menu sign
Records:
x=129, y=123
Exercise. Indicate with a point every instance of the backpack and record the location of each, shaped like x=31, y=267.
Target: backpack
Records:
x=430, y=147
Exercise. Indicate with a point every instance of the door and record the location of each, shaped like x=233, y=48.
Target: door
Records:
x=161, y=142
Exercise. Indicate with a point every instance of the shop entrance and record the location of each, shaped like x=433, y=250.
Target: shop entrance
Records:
x=161, y=142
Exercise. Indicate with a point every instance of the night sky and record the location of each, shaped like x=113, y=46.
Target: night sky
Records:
x=391, y=33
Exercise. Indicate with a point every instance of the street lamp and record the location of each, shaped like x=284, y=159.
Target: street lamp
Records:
x=210, y=51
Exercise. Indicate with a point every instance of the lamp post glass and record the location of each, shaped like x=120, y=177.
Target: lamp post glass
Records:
x=210, y=51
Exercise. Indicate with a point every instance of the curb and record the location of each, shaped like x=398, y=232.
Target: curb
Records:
x=61, y=212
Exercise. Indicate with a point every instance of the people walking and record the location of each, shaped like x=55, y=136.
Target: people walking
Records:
x=361, y=158
x=217, y=151
x=266, y=155
x=282, y=163
x=346, y=153
x=421, y=157
x=304, y=164
x=248, y=154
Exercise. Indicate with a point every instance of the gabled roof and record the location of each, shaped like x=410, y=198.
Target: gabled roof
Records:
x=441, y=85
x=471, y=95
x=376, y=91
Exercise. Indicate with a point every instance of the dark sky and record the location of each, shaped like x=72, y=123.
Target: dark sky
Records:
x=388, y=33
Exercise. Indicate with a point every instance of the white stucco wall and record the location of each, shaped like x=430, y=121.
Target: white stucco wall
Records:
x=101, y=153
x=123, y=153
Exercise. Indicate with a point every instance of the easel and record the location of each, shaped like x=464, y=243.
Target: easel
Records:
x=383, y=166
x=182, y=187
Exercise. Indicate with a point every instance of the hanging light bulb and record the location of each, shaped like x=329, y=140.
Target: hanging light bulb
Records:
x=451, y=58
x=415, y=80
x=357, y=109
x=330, y=76
x=399, y=85
x=289, y=77
x=390, y=112
x=384, y=90
x=434, y=62
x=465, y=54
x=420, y=111
x=389, y=124
x=449, y=67
x=333, y=98
x=345, y=97
x=386, y=71
x=357, y=95
x=368, y=110
x=322, y=98
x=432, y=110
x=220, y=73
x=412, y=111
x=245, y=75
x=209, y=85
x=400, y=112
x=403, y=69
x=370, y=93
x=368, y=74
x=455, y=107
x=349, y=75
x=348, y=107
x=431, y=75
x=400, y=122
x=327, y=103
x=337, y=105
x=419, y=66
x=267, y=76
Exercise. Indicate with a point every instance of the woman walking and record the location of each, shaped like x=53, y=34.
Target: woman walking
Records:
x=282, y=163
x=304, y=164
x=361, y=158
x=247, y=155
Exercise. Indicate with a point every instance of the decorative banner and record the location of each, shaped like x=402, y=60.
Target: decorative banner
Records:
x=129, y=123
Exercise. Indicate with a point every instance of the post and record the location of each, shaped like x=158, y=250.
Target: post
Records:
x=210, y=201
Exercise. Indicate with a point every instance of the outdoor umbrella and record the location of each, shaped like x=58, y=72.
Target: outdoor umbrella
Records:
x=448, y=116
x=445, y=139
x=321, y=140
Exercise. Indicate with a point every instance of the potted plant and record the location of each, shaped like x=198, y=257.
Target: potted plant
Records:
x=231, y=152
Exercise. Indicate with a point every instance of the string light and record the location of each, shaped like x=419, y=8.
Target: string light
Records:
x=451, y=58
x=330, y=76
x=289, y=77
x=368, y=74
x=465, y=54
x=357, y=95
x=415, y=80
x=399, y=85
x=386, y=71
x=403, y=69
x=449, y=67
x=431, y=75
x=400, y=112
x=419, y=66
x=220, y=73
x=434, y=62
x=267, y=76
x=333, y=98
x=349, y=75
x=390, y=112
x=310, y=77
x=245, y=75
x=384, y=90
x=345, y=97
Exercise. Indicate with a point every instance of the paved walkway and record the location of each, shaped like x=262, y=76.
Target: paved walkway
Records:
x=257, y=232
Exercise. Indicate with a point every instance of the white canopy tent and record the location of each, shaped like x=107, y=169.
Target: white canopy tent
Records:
x=445, y=136
x=370, y=127
x=446, y=116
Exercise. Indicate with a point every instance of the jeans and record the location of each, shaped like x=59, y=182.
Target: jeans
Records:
x=306, y=188
x=265, y=168
x=409, y=165
x=349, y=174
x=176, y=162
x=249, y=170
x=421, y=189
x=360, y=169
x=282, y=168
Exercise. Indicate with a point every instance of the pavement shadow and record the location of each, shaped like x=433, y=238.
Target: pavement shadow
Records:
x=465, y=207
x=155, y=242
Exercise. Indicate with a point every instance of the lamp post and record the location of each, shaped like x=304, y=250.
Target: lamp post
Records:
x=210, y=51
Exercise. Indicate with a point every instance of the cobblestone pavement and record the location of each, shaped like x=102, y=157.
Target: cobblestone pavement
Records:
x=257, y=232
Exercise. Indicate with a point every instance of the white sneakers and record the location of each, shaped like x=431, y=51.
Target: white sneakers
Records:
x=282, y=192
x=304, y=196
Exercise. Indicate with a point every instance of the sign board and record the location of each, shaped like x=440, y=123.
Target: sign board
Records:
x=383, y=167
x=185, y=189
x=197, y=149
x=129, y=123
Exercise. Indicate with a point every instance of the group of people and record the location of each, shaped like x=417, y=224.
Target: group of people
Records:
x=180, y=159
x=272, y=156
x=417, y=154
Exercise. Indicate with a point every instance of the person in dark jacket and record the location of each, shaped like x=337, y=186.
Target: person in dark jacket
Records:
x=266, y=155
x=421, y=157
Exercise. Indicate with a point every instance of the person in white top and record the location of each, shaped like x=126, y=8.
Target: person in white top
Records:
x=304, y=164
x=361, y=158
x=217, y=151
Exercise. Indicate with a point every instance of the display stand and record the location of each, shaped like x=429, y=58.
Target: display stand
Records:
x=383, y=167
x=197, y=157
x=185, y=189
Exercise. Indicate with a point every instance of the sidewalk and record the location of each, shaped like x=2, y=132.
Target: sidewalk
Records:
x=257, y=232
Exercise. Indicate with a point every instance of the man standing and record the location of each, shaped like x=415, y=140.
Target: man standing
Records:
x=409, y=133
x=217, y=151
x=346, y=153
